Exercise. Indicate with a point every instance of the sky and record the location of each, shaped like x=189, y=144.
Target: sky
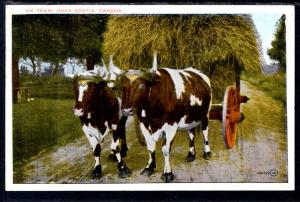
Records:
x=266, y=26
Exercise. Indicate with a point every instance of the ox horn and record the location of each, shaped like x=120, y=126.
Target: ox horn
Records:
x=105, y=74
x=154, y=64
x=103, y=63
x=114, y=69
x=150, y=74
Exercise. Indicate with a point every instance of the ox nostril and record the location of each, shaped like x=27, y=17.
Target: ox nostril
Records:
x=127, y=111
x=78, y=112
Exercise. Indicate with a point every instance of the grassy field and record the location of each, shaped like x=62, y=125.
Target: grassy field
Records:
x=42, y=124
x=274, y=85
x=47, y=121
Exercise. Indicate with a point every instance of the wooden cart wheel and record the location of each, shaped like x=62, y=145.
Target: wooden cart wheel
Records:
x=230, y=116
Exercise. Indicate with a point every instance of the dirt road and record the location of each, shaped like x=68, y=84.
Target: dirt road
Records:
x=260, y=154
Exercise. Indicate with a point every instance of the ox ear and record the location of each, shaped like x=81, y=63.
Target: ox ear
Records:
x=97, y=79
x=114, y=69
x=148, y=76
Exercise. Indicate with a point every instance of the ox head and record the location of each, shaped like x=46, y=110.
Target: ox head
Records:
x=89, y=84
x=85, y=87
x=135, y=88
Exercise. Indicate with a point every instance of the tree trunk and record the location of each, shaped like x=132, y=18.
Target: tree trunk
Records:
x=15, y=77
x=90, y=63
x=33, y=65
x=56, y=69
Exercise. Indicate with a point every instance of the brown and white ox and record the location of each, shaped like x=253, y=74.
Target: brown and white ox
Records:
x=166, y=100
x=99, y=112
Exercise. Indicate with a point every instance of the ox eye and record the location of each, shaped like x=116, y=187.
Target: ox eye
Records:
x=142, y=86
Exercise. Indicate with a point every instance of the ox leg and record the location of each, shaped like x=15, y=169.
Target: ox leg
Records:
x=124, y=171
x=97, y=172
x=207, y=152
x=121, y=130
x=192, y=154
x=151, y=146
x=95, y=143
x=170, y=132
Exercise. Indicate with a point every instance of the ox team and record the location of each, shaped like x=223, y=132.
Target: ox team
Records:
x=164, y=100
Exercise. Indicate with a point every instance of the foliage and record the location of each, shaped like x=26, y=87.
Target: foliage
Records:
x=42, y=124
x=39, y=36
x=87, y=36
x=278, y=49
x=54, y=38
x=220, y=45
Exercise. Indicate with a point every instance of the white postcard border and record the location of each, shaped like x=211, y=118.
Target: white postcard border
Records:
x=288, y=10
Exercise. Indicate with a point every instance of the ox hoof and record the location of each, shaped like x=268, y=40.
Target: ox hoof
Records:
x=124, y=150
x=207, y=155
x=125, y=172
x=147, y=172
x=167, y=177
x=97, y=172
x=190, y=158
x=112, y=157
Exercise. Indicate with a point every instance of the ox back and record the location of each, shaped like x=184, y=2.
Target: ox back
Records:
x=181, y=96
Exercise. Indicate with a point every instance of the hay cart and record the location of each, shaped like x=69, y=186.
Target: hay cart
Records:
x=229, y=112
x=214, y=44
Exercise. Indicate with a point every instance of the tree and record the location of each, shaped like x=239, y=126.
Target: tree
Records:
x=278, y=49
x=55, y=38
x=87, y=38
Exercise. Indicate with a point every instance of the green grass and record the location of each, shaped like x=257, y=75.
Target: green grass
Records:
x=45, y=122
x=41, y=125
x=273, y=85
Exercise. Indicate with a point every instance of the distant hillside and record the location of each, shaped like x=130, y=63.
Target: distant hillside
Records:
x=270, y=69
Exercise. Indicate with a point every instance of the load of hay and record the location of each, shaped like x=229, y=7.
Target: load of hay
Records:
x=221, y=46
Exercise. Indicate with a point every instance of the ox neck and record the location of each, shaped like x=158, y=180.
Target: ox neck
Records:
x=144, y=104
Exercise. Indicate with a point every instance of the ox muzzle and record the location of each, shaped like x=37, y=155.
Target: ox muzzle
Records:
x=127, y=112
x=78, y=111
